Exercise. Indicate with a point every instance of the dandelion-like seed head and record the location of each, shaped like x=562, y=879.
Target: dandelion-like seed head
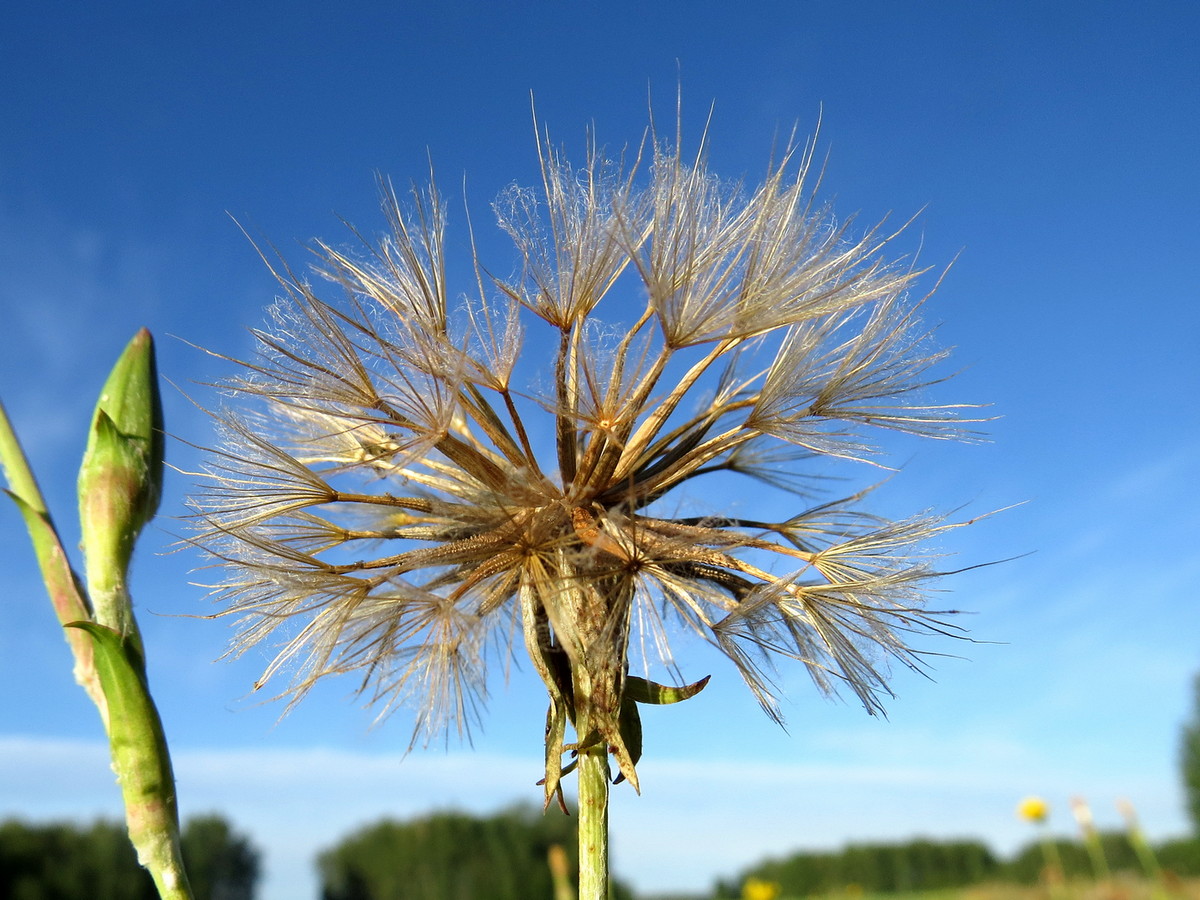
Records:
x=390, y=497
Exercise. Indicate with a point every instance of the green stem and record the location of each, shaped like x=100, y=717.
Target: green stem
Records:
x=66, y=593
x=1095, y=850
x=593, y=822
x=120, y=481
x=1053, y=871
x=1141, y=847
x=16, y=467
x=560, y=873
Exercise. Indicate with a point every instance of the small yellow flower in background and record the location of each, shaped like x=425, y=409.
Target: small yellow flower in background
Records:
x=1037, y=810
x=757, y=889
x=1033, y=809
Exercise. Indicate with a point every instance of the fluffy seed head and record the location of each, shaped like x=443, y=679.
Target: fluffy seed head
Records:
x=408, y=481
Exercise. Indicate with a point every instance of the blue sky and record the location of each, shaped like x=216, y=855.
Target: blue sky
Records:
x=1052, y=149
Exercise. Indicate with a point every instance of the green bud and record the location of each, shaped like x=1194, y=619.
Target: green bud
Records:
x=120, y=482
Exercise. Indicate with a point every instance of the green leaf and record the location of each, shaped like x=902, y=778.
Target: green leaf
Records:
x=140, y=757
x=642, y=691
x=135, y=732
x=16, y=466
x=630, y=725
x=65, y=589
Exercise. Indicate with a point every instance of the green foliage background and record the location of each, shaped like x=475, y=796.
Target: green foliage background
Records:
x=452, y=856
x=70, y=862
x=1189, y=760
x=455, y=856
x=916, y=865
x=923, y=865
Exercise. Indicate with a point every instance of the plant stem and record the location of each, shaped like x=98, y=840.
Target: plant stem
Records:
x=593, y=822
x=1053, y=872
x=66, y=593
x=560, y=873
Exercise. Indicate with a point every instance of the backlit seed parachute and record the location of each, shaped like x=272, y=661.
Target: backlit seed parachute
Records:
x=406, y=483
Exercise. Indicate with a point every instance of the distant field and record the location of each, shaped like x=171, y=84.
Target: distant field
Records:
x=1119, y=889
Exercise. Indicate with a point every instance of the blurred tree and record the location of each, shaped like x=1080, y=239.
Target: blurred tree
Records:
x=1026, y=867
x=221, y=865
x=452, y=856
x=1189, y=759
x=924, y=865
x=63, y=861
x=917, y=865
x=1180, y=857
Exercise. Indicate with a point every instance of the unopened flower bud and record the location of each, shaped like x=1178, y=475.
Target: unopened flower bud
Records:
x=120, y=481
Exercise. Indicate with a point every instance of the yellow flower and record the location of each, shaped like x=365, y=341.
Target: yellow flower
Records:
x=757, y=889
x=1033, y=809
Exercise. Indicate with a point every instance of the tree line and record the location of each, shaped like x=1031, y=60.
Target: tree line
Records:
x=444, y=856
x=453, y=856
x=65, y=861
x=915, y=865
x=928, y=865
x=925, y=864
